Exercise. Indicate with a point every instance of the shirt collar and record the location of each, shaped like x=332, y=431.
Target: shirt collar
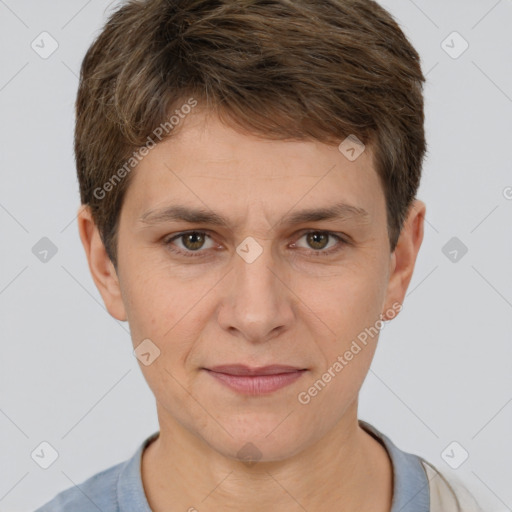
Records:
x=411, y=492
x=130, y=491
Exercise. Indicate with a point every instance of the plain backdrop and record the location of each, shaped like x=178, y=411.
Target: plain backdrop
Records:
x=442, y=371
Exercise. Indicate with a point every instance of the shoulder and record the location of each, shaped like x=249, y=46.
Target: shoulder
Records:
x=419, y=485
x=448, y=493
x=97, y=492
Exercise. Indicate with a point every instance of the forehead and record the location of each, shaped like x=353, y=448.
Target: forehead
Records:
x=209, y=164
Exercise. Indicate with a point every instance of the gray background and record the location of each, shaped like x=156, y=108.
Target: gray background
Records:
x=442, y=372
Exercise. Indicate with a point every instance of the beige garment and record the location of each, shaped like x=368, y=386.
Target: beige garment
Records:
x=448, y=494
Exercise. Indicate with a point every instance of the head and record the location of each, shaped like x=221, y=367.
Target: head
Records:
x=224, y=215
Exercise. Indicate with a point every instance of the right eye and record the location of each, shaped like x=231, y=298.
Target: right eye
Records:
x=191, y=243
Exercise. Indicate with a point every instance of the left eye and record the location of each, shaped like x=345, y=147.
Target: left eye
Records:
x=319, y=240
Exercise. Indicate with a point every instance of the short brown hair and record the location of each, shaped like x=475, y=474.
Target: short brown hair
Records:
x=284, y=69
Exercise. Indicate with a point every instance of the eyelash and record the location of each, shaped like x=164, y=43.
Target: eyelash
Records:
x=200, y=253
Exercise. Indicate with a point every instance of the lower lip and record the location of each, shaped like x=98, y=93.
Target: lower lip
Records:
x=256, y=384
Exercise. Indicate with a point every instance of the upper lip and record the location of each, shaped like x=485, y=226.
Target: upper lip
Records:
x=241, y=369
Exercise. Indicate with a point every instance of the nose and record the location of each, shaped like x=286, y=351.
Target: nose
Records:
x=257, y=304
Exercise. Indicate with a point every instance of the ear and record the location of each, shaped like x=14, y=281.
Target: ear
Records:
x=102, y=270
x=403, y=258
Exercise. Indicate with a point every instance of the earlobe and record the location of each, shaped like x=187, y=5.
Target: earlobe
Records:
x=102, y=270
x=404, y=256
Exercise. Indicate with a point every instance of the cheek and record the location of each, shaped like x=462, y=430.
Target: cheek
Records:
x=168, y=310
x=348, y=301
x=149, y=289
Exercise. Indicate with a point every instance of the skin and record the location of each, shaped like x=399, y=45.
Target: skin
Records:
x=290, y=306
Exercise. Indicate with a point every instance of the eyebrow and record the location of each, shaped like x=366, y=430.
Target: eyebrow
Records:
x=340, y=211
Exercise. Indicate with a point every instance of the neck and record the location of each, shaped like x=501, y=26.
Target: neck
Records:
x=181, y=470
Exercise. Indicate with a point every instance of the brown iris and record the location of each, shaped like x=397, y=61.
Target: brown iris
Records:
x=193, y=241
x=317, y=240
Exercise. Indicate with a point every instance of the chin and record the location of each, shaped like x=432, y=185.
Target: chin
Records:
x=256, y=439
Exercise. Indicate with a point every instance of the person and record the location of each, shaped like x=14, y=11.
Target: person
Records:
x=248, y=176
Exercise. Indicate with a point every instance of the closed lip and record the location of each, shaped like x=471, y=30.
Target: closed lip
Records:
x=244, y=370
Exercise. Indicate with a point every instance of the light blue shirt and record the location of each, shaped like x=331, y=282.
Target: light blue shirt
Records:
x=119, y=488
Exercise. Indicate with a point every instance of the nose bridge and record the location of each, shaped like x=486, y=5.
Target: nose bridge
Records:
x=252, y=272
x=257, y=303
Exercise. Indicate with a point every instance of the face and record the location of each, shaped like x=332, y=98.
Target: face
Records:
x=235, y=250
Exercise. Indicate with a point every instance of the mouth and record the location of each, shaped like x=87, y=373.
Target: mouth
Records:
x=255, y=380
